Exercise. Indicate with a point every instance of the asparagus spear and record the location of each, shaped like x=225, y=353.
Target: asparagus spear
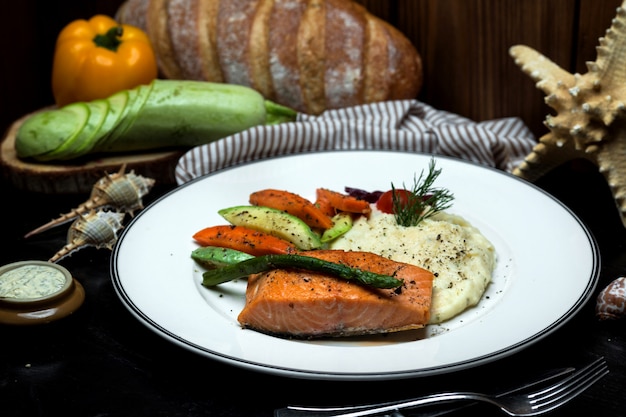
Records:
x=268, y=262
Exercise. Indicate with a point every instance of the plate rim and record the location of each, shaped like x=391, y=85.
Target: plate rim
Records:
x=171, y=336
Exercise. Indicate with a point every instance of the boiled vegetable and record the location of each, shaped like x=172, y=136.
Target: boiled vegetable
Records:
x=212, y=257
x=273, y=222
x=369, y=196
x=243, y=239
x=343, y=202
x=162, y=114
x=268, y=262
x=294, y=204
x=324, y=205
x=98, y=57
x=342, y=223
x=410, y=207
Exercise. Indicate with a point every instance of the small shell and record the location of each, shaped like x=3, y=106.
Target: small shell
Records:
x=119, y=191
x=611, y=302
x=97, y=228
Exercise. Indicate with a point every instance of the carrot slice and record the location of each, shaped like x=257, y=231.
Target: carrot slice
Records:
x=293, y=204
x=325, y=206
x=243, y=239
x=344, y=202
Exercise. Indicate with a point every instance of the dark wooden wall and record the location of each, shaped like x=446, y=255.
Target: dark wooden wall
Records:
x=464, y=45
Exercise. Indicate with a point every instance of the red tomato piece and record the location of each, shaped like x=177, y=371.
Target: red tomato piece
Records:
x=385, y=202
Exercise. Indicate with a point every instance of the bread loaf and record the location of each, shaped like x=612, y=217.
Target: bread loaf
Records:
x=310, y=55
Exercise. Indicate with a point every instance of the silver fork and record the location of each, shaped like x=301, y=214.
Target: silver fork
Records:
x=542, y=380
x=528, y=404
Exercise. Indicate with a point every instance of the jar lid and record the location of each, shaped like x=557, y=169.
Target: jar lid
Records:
x=33, y=292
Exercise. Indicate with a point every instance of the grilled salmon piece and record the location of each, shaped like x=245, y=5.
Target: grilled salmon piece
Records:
x=303, y=304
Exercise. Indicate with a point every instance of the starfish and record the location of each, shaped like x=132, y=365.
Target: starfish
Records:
x=590, y=119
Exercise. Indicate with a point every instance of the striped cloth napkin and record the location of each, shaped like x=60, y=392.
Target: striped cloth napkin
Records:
x=404, y=125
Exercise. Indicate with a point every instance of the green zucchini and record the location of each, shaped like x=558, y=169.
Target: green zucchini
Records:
x=117, y=106
x=274, y=222
x=137, y=98
x=162, y=114
x=268, y=262
x=97, y=113
x=342, y=222
x=47, y=131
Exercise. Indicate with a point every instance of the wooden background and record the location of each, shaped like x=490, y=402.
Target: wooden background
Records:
x=464, y=45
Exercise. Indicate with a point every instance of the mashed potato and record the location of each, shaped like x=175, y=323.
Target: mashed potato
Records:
x=459, y=256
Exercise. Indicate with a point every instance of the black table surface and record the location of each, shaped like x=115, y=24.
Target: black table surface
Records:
x=101, y=361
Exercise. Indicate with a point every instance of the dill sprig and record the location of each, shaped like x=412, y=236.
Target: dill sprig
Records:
x=423, y=201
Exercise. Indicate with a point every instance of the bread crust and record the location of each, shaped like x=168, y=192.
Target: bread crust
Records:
x=157, y=28
x=185, y=37
x=405, y=64
x=135, y=11
x=260, y=75
x=346, y=28
x=234, y=25
x=310, y=55
x=283, y=52
x=207, y=39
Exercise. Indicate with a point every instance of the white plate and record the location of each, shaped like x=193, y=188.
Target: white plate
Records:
x=548, y=265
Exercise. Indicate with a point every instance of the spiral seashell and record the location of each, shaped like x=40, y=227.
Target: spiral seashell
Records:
x=120, y=191
x=611, y=302
x=97, y=228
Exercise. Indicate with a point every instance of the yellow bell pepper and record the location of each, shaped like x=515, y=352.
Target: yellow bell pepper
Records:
x=98, y=57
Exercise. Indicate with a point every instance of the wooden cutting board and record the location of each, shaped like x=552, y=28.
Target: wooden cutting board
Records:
x=68, y=178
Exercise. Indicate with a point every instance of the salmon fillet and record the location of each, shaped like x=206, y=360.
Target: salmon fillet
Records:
x=303, y=304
